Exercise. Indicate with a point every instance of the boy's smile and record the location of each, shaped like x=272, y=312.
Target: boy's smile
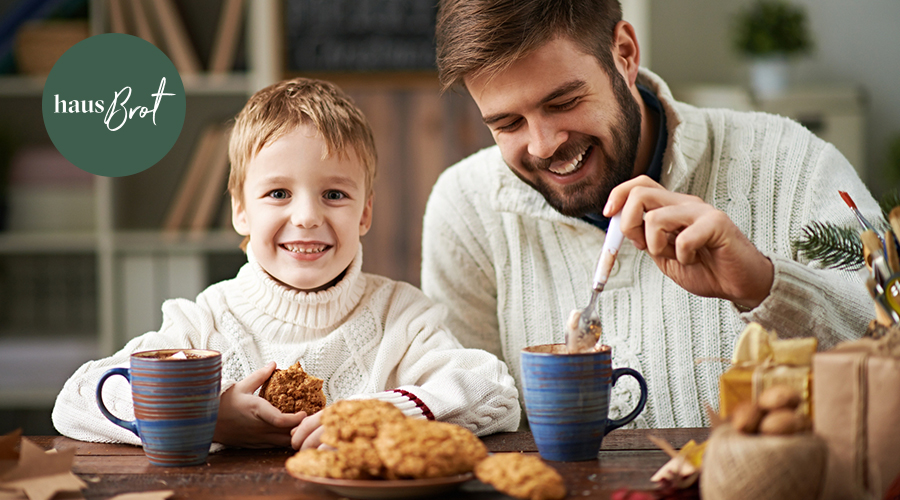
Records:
x=304, y=213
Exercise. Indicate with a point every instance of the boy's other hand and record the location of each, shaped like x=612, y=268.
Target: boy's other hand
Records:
x=249, y=421
x=308, y=435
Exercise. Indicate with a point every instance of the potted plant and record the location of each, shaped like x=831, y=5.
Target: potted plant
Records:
x=769, y=32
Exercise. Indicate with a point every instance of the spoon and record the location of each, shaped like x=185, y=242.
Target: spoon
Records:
x=586, y=333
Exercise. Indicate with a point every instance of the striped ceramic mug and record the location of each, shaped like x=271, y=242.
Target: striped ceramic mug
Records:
x=176, y=402
x=567, y=399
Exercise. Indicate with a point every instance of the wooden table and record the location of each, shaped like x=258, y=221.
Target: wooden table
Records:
x=627, y=459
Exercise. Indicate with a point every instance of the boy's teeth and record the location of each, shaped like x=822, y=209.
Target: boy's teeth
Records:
x=305, y=249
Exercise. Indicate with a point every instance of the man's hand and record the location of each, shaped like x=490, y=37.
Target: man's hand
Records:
x=249, y=421
x=693, y=243
x=308, y=435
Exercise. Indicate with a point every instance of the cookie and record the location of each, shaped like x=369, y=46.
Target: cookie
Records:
x=423, y=449
x=347, y=462
x=319, y=463
x=293, y=390
x=361, y=458
x=521, y=476
x=348, y=420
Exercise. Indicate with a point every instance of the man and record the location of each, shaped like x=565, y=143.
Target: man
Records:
x=710, y=201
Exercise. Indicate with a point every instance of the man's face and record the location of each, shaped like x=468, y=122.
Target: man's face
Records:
x=563, y=125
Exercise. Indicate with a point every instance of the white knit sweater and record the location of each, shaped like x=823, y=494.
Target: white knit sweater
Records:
x=365, y=335
x=510, y=268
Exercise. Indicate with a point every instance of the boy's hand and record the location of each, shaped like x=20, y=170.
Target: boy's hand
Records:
x=308, y=434
x=249, y=421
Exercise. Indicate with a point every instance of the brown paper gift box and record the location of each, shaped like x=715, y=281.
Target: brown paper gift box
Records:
x=857, y=397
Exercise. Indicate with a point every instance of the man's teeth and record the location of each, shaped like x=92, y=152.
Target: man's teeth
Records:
x=306, y=249
x=570, y=167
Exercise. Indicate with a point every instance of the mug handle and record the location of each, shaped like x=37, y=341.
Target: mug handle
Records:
x=125, y=424
x=618, y=372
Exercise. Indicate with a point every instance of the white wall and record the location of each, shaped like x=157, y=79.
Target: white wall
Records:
x=637, y=12
x=857, y=42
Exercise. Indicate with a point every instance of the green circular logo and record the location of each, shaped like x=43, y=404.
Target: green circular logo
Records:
x=114, y=105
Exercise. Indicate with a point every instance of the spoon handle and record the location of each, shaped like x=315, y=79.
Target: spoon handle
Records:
x=611, y=246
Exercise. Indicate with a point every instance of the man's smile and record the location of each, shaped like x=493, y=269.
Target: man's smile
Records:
x=571, y=166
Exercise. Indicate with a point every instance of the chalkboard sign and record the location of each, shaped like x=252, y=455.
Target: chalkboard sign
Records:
x=360, y=35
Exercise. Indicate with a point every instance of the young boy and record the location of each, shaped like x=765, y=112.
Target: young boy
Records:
x=302, y=168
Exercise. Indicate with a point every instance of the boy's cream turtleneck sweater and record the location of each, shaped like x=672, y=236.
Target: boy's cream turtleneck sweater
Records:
x=365, y=337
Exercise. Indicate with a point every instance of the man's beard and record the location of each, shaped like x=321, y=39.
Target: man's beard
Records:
x=587, y=196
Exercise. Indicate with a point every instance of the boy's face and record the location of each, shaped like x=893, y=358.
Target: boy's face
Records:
x=304, y=215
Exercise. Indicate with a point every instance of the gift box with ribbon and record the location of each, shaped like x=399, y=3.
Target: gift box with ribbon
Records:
x=761, y=360
x=858, y=414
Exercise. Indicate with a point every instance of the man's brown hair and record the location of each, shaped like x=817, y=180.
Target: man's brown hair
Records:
x=482, y=37
x=280, y=108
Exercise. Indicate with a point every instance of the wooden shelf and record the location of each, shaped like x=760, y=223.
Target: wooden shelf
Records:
x=176, y=242
x=197, y=85
x=47, y=242
x=22, y=86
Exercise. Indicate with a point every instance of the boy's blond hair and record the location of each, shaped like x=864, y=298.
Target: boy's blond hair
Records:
x=280, y=108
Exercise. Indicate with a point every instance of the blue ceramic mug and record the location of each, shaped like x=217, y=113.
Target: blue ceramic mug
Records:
x=176, y=402
x=567, y=399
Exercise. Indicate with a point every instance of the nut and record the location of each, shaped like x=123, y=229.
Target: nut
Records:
x=745, y=417
x=777, y=397
x=779, y=422
x=802, y=423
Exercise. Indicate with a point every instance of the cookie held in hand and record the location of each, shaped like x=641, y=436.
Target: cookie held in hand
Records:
x=293, y=390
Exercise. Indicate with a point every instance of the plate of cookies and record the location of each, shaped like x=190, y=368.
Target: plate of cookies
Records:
x=375, y=451
x=378, y=452
x=386, y=488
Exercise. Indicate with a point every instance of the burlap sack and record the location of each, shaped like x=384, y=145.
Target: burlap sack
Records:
x=738, y=466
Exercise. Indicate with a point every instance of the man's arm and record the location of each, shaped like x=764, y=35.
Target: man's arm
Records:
x=701, y=249
x=830, y=304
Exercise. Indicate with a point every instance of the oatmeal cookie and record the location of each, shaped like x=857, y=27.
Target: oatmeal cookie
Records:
x=348, y=420
x=360, y=455
x=317, y=463
x=357, y=460
x=521, y=476
x=422, y=448
x=293, y=390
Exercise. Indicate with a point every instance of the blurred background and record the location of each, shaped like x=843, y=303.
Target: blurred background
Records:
x=86, y=261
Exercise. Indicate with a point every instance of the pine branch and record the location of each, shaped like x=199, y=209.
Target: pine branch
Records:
x=835, y=246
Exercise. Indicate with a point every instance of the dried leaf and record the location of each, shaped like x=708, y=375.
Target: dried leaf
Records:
x=41, y=474
x=146, y=495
